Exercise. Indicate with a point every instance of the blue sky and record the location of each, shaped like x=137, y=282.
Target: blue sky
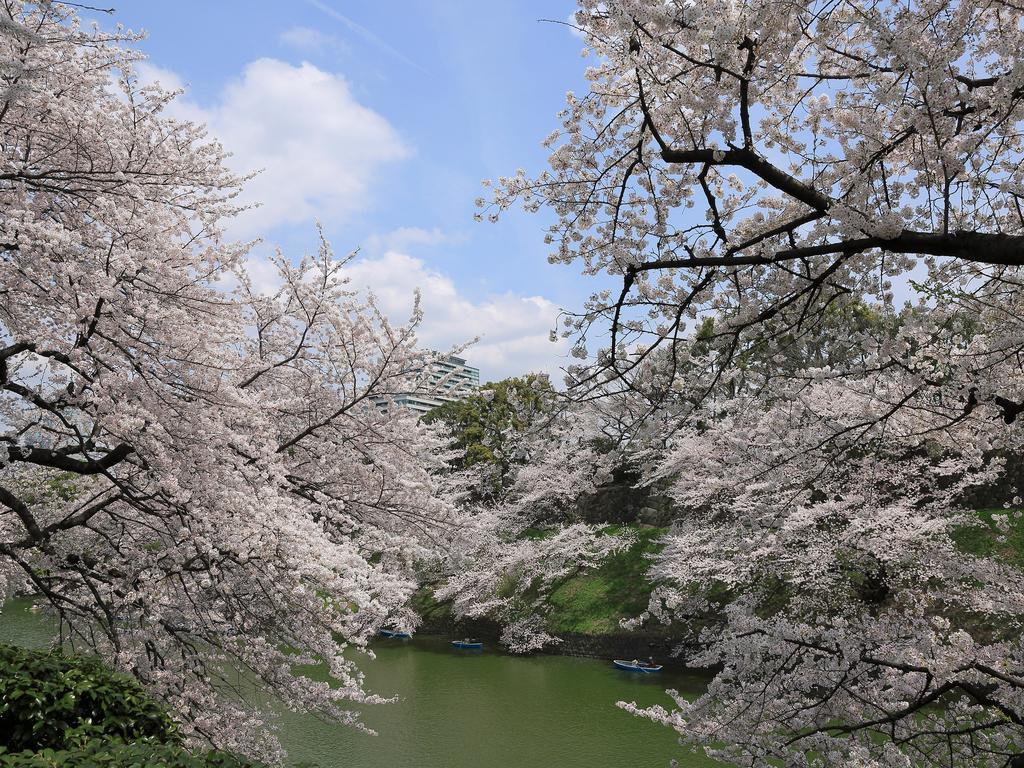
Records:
x=381, y=119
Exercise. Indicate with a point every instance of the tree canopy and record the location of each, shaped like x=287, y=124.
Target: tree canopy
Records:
x=188, y=465
x=814, y=213
x=487, y=424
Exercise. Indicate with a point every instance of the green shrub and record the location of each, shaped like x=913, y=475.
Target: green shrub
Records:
x=61, y=711
x=986, y=540
x=52, y=701
x=102, y=753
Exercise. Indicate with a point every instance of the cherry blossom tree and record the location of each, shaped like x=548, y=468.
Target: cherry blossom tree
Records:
x=764, y=179
x=202, y=482
x=514, y=545
x=795, y=153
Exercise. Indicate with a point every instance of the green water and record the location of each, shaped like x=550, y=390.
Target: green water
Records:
x=464, y=709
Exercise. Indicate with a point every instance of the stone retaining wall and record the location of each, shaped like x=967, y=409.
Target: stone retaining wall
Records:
x=622, y=645
x=625, y=645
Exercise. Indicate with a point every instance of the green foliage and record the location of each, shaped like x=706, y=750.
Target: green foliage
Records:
x=429, y=608
x=827, y=344
x=484, y=424
x=53, y=701
x=48, y=485
x=593, y=602
x=58, y=710
x=118, y=754
x=985, y=540
x=537, y=534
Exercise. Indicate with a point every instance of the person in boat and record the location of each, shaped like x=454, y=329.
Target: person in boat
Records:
x=636, y=663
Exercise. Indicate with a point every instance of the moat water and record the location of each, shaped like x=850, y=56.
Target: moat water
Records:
x=471, y=709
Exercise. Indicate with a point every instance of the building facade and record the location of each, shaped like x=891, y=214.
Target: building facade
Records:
x=449, y=379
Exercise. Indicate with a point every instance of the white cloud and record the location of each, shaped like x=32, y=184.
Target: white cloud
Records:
x=513, y=329
x=402, y=238
x=312, y=41
x=320, y=150
x=318, y=147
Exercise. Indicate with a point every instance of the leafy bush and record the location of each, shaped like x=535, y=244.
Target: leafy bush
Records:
x=52, y=701
x=485, y=423
x=987, y=540
x=60, y=711
x=101, y=753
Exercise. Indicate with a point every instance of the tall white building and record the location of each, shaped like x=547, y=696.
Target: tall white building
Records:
x=449, y=379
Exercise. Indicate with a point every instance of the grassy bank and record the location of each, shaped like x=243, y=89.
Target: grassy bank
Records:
x=989, y=541
x=594, y=602
x=591, y=602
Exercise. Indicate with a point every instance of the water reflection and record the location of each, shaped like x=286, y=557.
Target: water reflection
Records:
x=460, y=709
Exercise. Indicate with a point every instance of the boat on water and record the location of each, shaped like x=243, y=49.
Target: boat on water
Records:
x=395, y=634
x=468, y=644
x=637, y=666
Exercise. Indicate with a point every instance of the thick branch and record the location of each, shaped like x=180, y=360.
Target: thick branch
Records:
x=751, y=161
x=977, y=247
x=46, y=457
x=24, y=514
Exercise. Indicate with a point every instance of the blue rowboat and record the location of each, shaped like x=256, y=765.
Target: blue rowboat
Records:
x=468, y=644
x=637, y=666
x=396, y=635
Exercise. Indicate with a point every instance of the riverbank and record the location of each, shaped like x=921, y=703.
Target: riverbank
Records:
x=469, y=709
x=621, y=645
x=585, y=611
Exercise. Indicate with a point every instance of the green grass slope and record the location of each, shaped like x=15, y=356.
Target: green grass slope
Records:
x=593, y=602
